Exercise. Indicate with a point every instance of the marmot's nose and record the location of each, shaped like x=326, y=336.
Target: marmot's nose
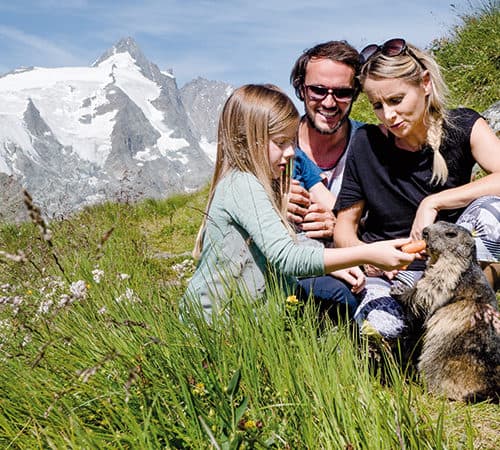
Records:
x=425, y=233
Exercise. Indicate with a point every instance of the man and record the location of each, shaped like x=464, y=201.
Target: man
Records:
x=324, y=79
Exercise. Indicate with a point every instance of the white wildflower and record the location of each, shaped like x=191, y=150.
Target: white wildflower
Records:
x=103, y=310
x=17, y=300
x=64, y=300
x=97, y=274
x=184, y=268
x=78, y=289
x=26, y=340
x=44, y=307
x=123, y=276
x=129, y=296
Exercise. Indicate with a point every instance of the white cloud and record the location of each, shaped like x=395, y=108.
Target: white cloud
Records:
x=32, y=42
x=231, y=40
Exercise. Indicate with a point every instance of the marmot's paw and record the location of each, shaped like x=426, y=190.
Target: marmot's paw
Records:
x=398, y=289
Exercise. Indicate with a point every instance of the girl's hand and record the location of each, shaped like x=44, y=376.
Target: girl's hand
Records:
x=387, y=255
x=354, y=276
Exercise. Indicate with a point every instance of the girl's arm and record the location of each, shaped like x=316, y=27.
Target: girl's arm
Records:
x=384, y=254
x=485, y=148
x=251, y=209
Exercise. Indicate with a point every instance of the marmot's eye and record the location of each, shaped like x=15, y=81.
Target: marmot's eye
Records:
x=451, y=234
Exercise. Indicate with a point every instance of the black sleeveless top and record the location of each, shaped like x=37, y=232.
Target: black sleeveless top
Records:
x=393, y=182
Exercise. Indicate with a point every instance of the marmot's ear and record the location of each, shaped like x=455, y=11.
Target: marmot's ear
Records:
x=466, y=249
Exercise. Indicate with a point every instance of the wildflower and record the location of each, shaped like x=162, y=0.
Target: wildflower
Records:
x=368, y=329
x=292, y=300
x=199, y=389
x=250, y=425
x=103, y=310
x=123, y=276
x=130, y=296
x=184, y=268
x=44, y=307
x=26, y=340
x=64, y=300
x=78, y=289
x=97, y=274
x=17, y=300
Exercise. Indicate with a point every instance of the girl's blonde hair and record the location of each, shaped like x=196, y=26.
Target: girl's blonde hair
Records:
x=411, y=65
x=252, y=116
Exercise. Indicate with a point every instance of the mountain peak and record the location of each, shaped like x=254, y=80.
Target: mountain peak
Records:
x=128, y=45
x=124, y=45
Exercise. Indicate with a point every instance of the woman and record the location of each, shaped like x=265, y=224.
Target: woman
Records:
x=413, y=169
x=245, y=234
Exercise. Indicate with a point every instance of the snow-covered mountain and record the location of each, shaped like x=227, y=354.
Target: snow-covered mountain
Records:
x=118, y=130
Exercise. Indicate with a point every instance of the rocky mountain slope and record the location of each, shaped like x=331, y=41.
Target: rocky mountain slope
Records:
x=118, y=130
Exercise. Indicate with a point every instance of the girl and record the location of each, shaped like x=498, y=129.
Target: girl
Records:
x=245, y=235
x=413, y=169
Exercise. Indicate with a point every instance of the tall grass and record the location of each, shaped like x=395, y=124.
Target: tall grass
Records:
x=470, y=57
x=96, y=357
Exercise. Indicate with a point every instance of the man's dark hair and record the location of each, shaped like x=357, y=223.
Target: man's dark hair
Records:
x=340, y=51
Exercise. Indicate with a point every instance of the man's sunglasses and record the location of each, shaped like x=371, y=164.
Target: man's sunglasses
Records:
x=319, y=93
x=392, y=47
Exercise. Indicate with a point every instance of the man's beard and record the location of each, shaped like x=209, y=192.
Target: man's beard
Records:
x=335, y=128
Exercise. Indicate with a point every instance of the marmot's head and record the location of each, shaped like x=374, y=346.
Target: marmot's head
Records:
x=446, y=239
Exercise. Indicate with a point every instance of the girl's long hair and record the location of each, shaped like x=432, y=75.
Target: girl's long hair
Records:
x=252, y=116
x=410, y=66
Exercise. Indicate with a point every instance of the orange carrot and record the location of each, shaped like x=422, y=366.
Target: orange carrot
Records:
x=414, y=247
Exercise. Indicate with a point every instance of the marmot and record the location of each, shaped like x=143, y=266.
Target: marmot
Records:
x=455, y=311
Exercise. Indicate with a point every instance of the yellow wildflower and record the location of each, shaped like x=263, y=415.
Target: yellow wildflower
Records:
x=250, y=425
x=199, y=389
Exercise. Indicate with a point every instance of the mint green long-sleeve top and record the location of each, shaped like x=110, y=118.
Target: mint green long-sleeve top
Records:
x=244, y=237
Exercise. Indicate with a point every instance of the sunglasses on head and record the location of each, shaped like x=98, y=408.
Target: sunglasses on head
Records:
x=392, y=47
x=319, y=93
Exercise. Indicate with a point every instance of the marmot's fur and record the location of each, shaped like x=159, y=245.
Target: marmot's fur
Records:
x=455, y=311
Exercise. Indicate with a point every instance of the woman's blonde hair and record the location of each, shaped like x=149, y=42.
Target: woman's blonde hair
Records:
x=411, y=65
x=252, y=116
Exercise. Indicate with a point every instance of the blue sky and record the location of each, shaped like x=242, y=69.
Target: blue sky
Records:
x=228, y=40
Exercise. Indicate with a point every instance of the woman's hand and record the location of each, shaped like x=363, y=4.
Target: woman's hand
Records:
x=354, y=276
x=426, y=215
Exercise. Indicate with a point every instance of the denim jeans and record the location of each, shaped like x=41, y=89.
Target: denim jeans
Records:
x=331, y=295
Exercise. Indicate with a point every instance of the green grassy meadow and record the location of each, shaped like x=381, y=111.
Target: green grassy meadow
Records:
x=94, y=355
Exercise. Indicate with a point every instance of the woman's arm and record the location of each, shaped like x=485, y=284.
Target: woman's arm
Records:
x=485, y=148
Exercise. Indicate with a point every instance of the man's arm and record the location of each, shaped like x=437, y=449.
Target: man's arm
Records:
x=347, y=226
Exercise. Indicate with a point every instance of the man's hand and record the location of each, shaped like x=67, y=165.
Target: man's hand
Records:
x=354, y=276
x=372, y=271
x=319, y=222
x=299, y=201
